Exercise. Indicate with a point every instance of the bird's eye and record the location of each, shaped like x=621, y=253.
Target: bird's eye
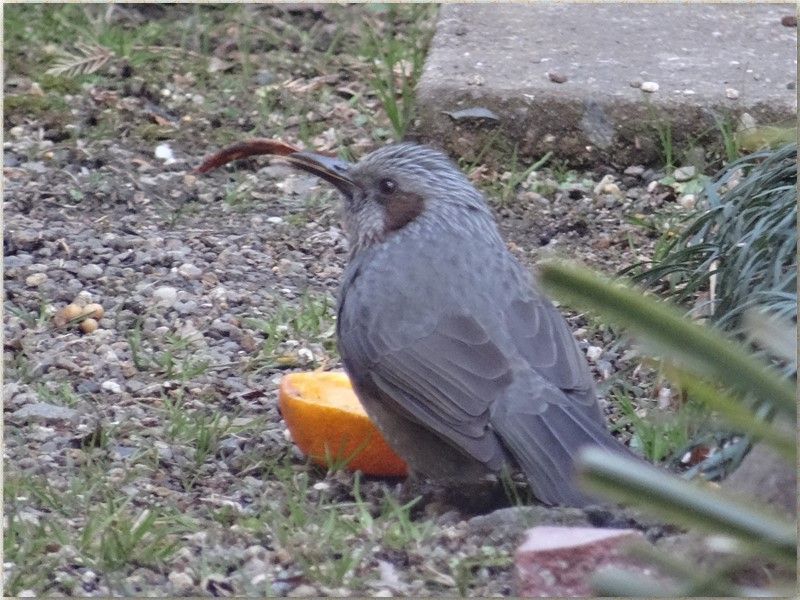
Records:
x=387, y=186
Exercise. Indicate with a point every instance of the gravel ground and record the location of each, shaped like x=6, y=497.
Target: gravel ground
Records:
x=148, y=457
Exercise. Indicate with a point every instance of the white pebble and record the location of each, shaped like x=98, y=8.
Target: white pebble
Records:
x=275, y=220
x=731, y=93
x=165, y=295
x=303, y=591
x=687, y=201
x=664, y=398
x=164, y=152
x=189, y=271
x=181, y=582
x=83, y=298
x=684, y=173
x=594, y=352
x=111, y=386
x=88, y=576
x=649, y=87
x=36, y=279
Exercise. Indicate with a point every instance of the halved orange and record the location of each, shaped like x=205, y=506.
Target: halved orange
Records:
x=328, y=424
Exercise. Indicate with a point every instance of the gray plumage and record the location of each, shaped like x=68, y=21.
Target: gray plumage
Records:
x=456, y=355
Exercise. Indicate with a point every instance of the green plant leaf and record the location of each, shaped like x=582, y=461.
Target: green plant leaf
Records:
x=629, y=480
x=702, y=351
x=740, y=417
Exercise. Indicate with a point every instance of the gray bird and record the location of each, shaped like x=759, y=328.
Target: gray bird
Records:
x=458, y=358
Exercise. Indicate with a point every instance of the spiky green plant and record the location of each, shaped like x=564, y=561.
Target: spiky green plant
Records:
x=721, y=374
x=739, y=249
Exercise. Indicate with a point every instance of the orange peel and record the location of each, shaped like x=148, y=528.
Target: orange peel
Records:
x=329, y=425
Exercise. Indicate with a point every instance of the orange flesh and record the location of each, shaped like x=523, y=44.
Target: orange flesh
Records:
x=328, y=424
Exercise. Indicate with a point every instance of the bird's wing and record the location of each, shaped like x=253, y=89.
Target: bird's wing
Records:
x=543, y=339
x=550, y=412
x=446, y=380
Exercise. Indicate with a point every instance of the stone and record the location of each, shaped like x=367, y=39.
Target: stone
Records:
x=303, y=591
x=165, y=295
x=111, y=386
x=682, y=174
x=16, y=261
x=687, y=202
x=180, y=582
x=44, y=411
x=505, y=521
x=35, y=279
x=190, y=271
x=90, y=271
x=764, y=476
x=593, y=353
x=598, y=117
x=634, y=170
x=559, y=561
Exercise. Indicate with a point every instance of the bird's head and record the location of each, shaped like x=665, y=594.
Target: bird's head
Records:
x=387, y=190
x=392, y=188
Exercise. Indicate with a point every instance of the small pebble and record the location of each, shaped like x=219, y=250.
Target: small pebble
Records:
x=111, y=386
x=83, y=298
x=731, y=93
x=556, y=77
x=687, y=201
x=634, y=170
x=165, y=295
x=89, y=325
x=303, y=591
x=180, y=582
x=684, y=173
x=35, y=279
x=164, y=152
x=649, y=87
x=593, y=353
x=88, y=576
x=90, y=271
x=189, y=271
x=664, y=398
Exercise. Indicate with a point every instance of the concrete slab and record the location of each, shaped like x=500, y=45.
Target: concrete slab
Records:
x=561, y=77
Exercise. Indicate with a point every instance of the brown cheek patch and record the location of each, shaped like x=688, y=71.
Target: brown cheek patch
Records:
x=401, y=209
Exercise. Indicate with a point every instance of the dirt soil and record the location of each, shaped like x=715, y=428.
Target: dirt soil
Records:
x=148, y=457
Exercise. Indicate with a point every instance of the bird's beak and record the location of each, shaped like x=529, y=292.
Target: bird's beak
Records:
x=332, y=170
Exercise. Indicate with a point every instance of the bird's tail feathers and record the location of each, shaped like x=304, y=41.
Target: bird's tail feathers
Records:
x=546, y=444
